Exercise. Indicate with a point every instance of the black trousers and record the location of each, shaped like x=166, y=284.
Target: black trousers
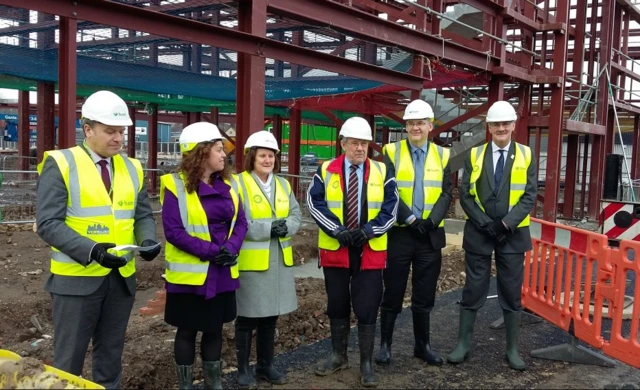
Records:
x=352, y=286
x=406, y=251
x=510, y=274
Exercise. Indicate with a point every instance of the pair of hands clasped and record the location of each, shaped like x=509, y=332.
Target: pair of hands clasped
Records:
x=496, y=230
x=422, y=226
x=227, y=259
x=100, y=255
x=353, y=237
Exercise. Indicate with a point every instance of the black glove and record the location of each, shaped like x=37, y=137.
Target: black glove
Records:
x=501, y=239
x=358, y=237
x=100, y=255
x=418, y=227
x=151, y=254
x=495, y=229
x=225, y=258
x=279, y=228
x=344, y=238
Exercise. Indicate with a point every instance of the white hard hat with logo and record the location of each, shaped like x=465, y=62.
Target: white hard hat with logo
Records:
x=418, y=109
x=501, y=111
x=356, y=127
x=196, y=133
x=261, y=139
x=107, y=108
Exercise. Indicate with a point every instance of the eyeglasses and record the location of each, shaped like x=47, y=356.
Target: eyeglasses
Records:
x=496, y=125
x=410, y=124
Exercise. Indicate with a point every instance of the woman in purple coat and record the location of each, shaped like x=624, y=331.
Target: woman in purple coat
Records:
x=204, y=225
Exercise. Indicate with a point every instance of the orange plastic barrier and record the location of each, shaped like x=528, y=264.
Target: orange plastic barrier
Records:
x=560, y=266
x=626, y=349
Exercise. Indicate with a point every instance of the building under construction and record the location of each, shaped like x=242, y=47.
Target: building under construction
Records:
x=567, y=65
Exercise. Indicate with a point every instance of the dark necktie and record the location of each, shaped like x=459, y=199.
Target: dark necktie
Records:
x=499, y=169
x=352, y=199
x=104, y=172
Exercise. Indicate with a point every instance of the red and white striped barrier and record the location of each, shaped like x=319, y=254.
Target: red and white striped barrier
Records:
x=560, y=235
x=620, y=220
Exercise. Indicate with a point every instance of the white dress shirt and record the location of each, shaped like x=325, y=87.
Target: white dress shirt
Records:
x=496, y=154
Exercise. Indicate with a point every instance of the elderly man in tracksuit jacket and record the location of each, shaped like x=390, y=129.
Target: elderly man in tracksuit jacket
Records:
x=354, y=200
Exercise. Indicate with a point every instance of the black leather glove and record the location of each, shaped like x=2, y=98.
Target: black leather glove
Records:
x=225, y=258
x=153, y=253
x=418, y=227
x=279, y=228
x=100, y=255
x=344, y=238
x=358, y=237
x=495, y=229
x=429, y=224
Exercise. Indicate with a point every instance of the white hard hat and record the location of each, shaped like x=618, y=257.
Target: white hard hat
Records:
x=356, y=127
x=418, y=109
x=501, y=111
x=261, y=139
x=107, y=108
x=196, y=133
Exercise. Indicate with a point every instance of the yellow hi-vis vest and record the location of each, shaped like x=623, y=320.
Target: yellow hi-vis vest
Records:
x=254, y=255
x=182, y=267
x=437, y=159
x=335, y=202
x=91, y=212
x=521, y=163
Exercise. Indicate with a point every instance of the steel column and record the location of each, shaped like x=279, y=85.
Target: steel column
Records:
x=295, y=130
x=215, y=117
x=496, y=92
x=67, y=75
x=152, y=158
x=252, y=19
x=23, y=129
x=635, y=156
x=276, y=127
x=585, y=167
x=554, y=147
x=46, y=127
x=131, y=134
x=570, y=175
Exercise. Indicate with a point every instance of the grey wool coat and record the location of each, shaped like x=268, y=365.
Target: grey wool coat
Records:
x=271, y=292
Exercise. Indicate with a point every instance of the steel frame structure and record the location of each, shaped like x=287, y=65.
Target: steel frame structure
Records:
x=535, y=48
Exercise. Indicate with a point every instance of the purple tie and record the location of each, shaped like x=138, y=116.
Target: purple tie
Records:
x=104, y=172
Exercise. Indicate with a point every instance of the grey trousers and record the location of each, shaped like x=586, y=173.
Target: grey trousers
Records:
x=103, y=317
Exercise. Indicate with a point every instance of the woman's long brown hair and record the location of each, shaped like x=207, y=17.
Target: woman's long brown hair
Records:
x=192, y=166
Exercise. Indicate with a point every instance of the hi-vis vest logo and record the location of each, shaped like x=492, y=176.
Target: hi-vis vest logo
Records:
x=257, y=198
x=125, y=203
x=97, y=229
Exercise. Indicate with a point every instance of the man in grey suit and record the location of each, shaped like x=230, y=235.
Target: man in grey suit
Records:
x=90, y=199
x=498, y=191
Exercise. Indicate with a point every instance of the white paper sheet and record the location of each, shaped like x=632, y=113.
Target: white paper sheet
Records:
x=134, y=248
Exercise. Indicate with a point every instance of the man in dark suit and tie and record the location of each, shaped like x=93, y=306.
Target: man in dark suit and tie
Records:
x=90, y=199
x=498, y=193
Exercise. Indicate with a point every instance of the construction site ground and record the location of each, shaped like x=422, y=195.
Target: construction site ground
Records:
x=302, y=341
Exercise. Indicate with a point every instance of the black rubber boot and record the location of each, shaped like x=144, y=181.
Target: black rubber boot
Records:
x=265, y=349
x=246, y=379
x=465, y=332
x=339, y=341
x=185, y=377
x=387, y=323
x=422, y=347
x=512, y=327
x=366, y=339
x=212, y=372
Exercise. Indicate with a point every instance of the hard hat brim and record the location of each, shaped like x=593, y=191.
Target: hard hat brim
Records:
x=121, y=122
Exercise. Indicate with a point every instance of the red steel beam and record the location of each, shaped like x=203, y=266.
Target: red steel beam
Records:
x=46, y=130
x=370, y=27
x=635, y=157
x=131, y=134
x=570, y=176
x=462, y=118
x=277, y=133
x=67, y=80
x=295, y=130
x=23, y=129
x=140, y=19
x=152, y=158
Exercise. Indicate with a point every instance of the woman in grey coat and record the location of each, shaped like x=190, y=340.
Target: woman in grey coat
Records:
x=267, y=286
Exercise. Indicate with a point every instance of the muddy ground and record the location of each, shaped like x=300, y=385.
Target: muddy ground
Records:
x=25, y=309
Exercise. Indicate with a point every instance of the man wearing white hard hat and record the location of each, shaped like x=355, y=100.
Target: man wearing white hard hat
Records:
x=91, y=199
x=354, y=201
x=267, y=283
x=498, y=191
x=424, y=182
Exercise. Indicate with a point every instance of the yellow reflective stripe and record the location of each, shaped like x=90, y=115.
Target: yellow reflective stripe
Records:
x=181, y=194
x=518, y=187
x=191, y=268
x=404, y=183
x=62, y=258
x=333, y=204
x=247, y=202
x=131, y=169
x=374, y=205
x=124, y=214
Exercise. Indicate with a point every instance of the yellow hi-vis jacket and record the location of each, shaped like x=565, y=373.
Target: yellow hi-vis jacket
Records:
x=254, y=255
x=437, y=159
x=521, y=163
x=91, y=212
x=182, y=267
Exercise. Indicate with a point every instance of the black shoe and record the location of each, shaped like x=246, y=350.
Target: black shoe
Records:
x=387, y=323
x=339, y=340
x=265, y=349
x=246, y=379
x=366, y=339
x=422, y=347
